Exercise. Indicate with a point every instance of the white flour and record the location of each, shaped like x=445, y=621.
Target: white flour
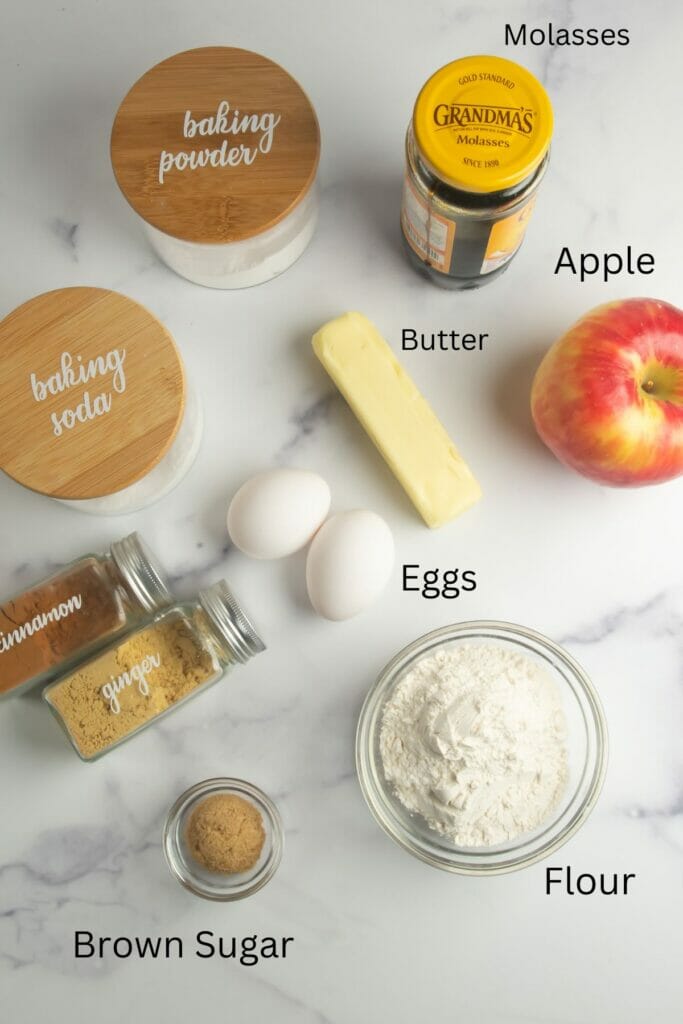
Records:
x=473, y=739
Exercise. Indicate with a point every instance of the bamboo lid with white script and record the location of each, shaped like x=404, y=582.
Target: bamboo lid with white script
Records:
x=92, y=393
x=215, y=145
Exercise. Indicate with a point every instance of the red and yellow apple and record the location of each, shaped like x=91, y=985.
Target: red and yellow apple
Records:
x=607, y=398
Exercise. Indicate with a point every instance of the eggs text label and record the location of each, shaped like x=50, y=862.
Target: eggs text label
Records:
x=224, y=122
x=74, y=372
x=432, y=583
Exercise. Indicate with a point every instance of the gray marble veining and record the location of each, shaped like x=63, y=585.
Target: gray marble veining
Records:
x=378, y=936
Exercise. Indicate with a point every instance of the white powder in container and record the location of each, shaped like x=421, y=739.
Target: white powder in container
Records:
x=241, y=264
x=473, y=738
x=166, y=475
x=216, y=150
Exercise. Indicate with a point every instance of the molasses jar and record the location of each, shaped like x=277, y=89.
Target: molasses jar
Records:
x=476, y=152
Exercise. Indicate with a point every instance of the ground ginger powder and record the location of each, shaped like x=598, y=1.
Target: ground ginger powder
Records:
x=225, y=834
x=116, y=693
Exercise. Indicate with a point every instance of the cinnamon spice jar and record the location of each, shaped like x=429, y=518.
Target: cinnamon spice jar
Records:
x=53, y=625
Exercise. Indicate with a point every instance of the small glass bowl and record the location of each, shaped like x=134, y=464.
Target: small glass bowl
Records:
x=586, y=749
x=212, y=885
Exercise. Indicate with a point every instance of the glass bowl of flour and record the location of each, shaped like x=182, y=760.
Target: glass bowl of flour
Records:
x=481, y=748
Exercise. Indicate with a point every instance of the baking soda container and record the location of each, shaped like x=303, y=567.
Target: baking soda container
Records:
x=217, y=151
x=94, y=405
x=476, y=153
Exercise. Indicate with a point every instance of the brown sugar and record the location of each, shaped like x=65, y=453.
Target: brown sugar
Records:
x=225, y=834
x=148, y=672
x=49, y=624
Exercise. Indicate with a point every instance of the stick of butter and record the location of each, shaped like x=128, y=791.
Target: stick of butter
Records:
x=397, y=418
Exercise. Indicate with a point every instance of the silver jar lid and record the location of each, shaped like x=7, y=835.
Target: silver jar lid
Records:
x=141, y=572
x=228, y=618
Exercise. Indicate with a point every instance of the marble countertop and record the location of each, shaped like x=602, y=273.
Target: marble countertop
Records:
x=378, y=935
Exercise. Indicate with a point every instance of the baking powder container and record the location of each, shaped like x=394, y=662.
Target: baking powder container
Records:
x=476, y=153
x=94, y=405
x=217, y=149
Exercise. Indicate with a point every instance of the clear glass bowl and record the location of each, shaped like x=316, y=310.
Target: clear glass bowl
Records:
x=586, y=749
x=211, y=885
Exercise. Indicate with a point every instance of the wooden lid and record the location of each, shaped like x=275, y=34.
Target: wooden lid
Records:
x=215, y=145
x=92, y=393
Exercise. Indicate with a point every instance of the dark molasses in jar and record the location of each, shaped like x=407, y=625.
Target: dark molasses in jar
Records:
x=476, y=152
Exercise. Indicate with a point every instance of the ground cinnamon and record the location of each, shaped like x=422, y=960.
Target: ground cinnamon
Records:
x=225, y=834
x=51, y=623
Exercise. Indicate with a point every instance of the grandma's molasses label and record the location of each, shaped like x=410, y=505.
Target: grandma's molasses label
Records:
x=430, y=235
x=461, y=248
x=483, y=124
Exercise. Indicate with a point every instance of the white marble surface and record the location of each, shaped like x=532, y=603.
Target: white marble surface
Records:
x=379, y=936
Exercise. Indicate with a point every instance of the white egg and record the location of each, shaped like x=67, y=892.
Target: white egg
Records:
x=276, y=513
x=349, y=563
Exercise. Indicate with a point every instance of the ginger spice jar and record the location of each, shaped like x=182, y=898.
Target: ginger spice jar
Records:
x=152, y=670
x=95, y=409
x=217, y=150
x=476, y=153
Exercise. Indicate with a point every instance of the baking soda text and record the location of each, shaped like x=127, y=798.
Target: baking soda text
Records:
x=73, y=372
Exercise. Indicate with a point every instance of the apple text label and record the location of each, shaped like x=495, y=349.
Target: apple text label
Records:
x=606, y=264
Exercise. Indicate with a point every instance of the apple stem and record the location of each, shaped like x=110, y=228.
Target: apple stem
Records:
x=649, y=386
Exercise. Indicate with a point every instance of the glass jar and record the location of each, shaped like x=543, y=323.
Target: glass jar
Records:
x=95, y=407
x=476, y=152
x=216, y=150
x=245, y=263
x=151, y=670
x=49, y=628
x=586, y=743
x=168, y=473
x=194, y=876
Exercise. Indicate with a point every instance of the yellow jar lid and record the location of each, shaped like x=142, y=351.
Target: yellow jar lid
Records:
x=483, y=124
